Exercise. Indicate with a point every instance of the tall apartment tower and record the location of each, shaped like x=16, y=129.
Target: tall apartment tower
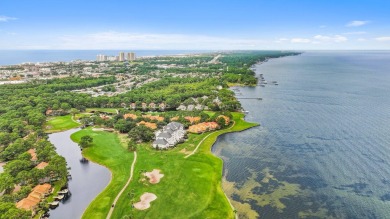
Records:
x=130, y=56
x=101, y=58
x=121, y=56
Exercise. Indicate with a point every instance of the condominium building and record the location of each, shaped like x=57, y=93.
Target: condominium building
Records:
x=101, y=58
x=130, y=56
x=121, y=56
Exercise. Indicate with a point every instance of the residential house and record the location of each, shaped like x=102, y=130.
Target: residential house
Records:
x=152, y=106
x=203, y=127
x=169, y=136
x=162, y=106
x=130, y=115
x=181, y=107
x=199, y=107
x=104, y=117
x=175, y=118
x=190, y=107
x=30, y=203
x=133, y=106
x=217, y=101
x=144, y=106
x=50, y=112
x=156, y=118
x=150, y=125
x=193, y=119
x=33, y=154
x=42, y=165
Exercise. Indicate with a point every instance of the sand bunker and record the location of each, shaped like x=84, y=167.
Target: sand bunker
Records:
x=146, y=198
x=154, y=176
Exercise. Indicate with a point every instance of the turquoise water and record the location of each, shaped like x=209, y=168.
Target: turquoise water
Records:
x=323, y=147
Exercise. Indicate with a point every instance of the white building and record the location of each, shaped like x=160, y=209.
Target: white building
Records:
x=112, y=58
x=101, y=58
x=121, y=56
x=169, y=136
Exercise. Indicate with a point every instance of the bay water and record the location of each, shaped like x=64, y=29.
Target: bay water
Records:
x=323, y=147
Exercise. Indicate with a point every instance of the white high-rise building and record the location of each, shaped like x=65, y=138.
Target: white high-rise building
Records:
x=121, y=56
x=101, y=58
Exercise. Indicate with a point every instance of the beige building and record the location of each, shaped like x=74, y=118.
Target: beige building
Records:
x=130, y=56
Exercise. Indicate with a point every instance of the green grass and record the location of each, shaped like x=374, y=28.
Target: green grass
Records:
x=60, y=123
x=107, y=110
x=108, y=151
x=190, y=188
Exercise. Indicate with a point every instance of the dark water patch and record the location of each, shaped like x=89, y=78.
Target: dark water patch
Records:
x=236, y=197
x=386, y=197
x=386, y=181
x=307, y=182
x=360, y=189
x=267, y=188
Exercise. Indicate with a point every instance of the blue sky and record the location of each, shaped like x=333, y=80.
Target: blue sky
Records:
x=196, y=24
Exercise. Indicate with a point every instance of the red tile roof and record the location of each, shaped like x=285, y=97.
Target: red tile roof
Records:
x=203, y=127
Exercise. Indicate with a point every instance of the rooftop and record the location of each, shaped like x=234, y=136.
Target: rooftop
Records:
x=42, y=165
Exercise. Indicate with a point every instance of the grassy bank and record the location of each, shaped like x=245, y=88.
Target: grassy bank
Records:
x=108, y=151
x=60, y=123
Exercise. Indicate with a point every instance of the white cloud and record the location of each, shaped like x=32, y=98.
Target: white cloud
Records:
x=123, y=40
x=320, y=39
x=6, y=19
x=281, y=40
x=361, y=40
x=356, y=33
x=335, y=38
x=300, y=40
x=357, y=23
x=382, y=39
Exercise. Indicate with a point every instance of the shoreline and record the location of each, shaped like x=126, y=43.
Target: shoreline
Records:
x=223, y=170
x=227, y=131
x=223, y=167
